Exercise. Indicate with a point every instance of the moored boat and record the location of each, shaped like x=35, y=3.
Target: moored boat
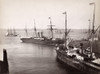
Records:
x=81, y=59
x=39, y=38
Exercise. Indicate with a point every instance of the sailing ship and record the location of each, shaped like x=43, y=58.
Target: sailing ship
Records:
x=11, y=32
x=81, y=59
x=39, y=38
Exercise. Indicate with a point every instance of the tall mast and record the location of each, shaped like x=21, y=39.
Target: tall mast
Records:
x=14, y=31
x=8, y=31
x=51, y=28
x=89, y=31
x=65, y=13
x=93, y=27
x=26, y=30
x=35, y=28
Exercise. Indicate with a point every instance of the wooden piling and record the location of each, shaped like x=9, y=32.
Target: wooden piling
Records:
x=4, y=67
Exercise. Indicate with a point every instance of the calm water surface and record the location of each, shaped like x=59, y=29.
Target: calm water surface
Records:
x=26, y=58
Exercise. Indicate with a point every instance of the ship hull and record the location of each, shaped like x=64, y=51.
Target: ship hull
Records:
x=42, y=41
x=38, y=41
x=11, y=35
x=82, y=66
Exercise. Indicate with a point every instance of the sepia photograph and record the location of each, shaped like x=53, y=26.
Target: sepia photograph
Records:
x=49, y=36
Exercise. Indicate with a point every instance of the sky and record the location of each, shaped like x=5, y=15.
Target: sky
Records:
x=18, y=13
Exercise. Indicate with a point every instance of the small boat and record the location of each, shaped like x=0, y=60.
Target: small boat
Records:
x=81, y=59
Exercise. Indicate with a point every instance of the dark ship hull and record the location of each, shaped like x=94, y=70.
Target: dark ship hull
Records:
x=42, y=41
x=12, y=35
x=83, y=66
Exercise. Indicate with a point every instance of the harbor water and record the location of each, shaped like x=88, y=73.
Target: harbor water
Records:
x=28, y=58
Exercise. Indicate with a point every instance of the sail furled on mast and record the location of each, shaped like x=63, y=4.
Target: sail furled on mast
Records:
x=51, y=27
x=35, y=30
x=89, y=30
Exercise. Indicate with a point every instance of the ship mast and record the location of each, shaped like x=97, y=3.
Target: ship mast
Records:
x=92, y=28
x=8, y=31
x=65, y=13
x=11, y=33
x=51, y=28
x=26, y=30
x=89, y=31
x=35, y=29
x=14, y=31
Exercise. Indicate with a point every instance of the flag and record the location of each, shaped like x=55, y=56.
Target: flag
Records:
x=91, y=3
x=64, y=12
x=49, y=17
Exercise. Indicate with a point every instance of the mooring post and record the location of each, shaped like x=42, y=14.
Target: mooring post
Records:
x=4, y=67
x=5, y=61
